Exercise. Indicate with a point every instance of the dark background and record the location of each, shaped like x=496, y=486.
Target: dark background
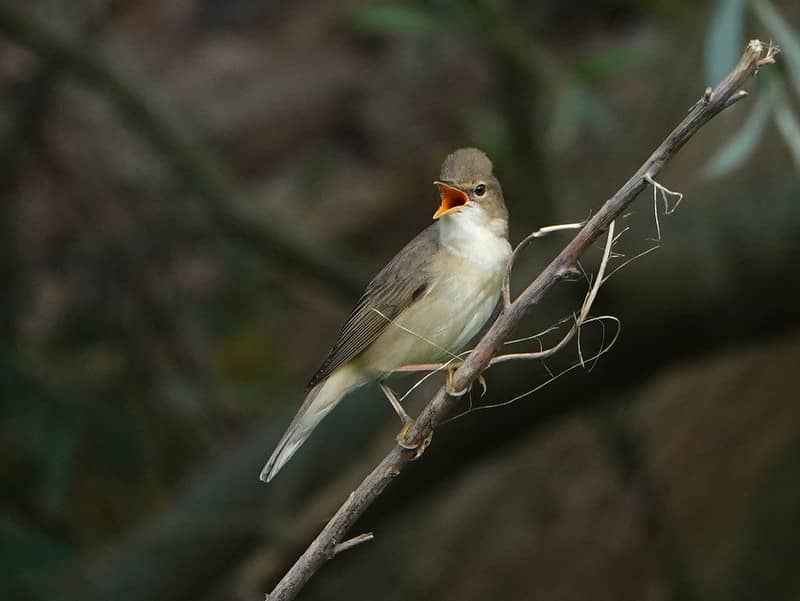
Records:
x=193, y=194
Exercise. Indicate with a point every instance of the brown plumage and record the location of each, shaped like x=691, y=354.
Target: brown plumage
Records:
x=428, y=301
x=395, y=287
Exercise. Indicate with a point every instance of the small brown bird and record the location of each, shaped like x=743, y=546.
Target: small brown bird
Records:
x=427, y=303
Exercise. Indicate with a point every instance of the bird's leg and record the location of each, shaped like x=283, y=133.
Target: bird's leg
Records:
x=407, y=420
x=404, y=417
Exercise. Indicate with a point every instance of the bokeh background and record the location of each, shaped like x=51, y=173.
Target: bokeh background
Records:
x=192, y=195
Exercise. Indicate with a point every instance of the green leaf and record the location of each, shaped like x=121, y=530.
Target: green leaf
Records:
x=488, y=130
x=28, y=556
x=787, y=38
x=741, y=146
x=44, y=429
x=788, y=125
x=725, y=38
x=402, y=19
x=602, y=64
x=563, y=129
x=594, y=112
x=577, y=106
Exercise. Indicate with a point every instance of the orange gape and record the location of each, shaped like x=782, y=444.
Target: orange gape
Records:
x=451, y=198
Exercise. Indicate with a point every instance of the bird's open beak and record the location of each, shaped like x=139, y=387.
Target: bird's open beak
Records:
x=451, y=199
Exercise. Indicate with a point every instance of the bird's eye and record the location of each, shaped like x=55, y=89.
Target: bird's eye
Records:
x=480, y=190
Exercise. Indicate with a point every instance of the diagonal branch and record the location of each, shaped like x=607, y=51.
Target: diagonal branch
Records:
x=712, y=103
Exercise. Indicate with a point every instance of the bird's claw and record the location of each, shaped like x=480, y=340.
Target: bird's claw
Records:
x=482, y=381
x=450, y=386
x=451, y=389
x=402, y=436
x=418, y=448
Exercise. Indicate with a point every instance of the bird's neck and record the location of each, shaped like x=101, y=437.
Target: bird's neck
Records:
x=471, y=235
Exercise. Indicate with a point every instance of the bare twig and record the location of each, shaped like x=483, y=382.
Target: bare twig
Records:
x=352, y=542
x=540, y=233
x=579, y=320
x=666, y=194
x=711, y=104
x=604, y=348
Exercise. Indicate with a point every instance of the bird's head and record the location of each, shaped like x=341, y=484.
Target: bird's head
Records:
x=469, y=191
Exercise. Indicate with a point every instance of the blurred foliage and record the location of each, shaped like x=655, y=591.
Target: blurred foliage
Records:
x=743, y=143
x=575, y=108
x=143, y=329
x=399, y=19
x=26, y=552
x=724, y=41
x=41, y=432
x=725, y=38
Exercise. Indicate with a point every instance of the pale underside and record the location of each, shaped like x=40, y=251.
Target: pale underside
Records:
x=437, y=325
x=425, y=305
x=454, y=290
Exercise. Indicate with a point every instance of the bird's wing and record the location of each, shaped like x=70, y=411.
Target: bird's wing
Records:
x=404, y=279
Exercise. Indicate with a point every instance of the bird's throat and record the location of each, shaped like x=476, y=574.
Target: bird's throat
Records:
x=472, y=236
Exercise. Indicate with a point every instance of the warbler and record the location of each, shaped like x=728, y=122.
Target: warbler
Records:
x=425, y=304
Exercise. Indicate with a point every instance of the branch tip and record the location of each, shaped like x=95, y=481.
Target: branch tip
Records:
x=352, y=542
x=772, y=50
x=735, y=97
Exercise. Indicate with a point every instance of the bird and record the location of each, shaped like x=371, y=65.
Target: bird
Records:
x=427, y=303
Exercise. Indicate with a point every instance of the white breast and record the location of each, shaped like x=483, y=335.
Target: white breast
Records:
x=470, y=235
x=469, y=276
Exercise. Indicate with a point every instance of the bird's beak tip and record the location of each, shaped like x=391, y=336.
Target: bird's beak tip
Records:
x=451, y=199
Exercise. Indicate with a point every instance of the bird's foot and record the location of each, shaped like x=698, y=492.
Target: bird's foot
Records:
x=418, y=447
x=450, y=386
x=402, y=436
x=482, y=382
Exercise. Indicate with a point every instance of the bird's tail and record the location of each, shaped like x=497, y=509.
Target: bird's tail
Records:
x=321, y=399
